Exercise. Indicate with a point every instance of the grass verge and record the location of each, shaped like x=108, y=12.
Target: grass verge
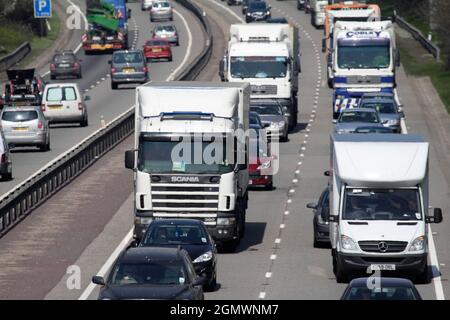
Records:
x=435, y=70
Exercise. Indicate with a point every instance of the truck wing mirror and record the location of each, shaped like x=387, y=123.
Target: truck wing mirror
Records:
x=327, y=173
x=98, y=280
x=130, y=159
x=397, y=58
x=129, y=13
x=324, y=45
x=312, y=206
x=437, y=216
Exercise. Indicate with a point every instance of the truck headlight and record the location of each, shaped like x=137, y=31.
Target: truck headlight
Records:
x=226, y=221
x=418, y=244
x=348, y=243
x=143, y=220
x=204, y=257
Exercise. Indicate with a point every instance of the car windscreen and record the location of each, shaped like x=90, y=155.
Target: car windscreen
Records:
x=61, y=94
x=149, y=273
x=169, y=234
x=380, y=293
x=130, y=57
x=380, y=106
x=268, y=109
x=360, y=116
x=258, y=67
x=19, y=116
x=363, y=56
x=63, y=58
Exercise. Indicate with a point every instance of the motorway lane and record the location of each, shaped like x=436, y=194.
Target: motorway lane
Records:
x=56, y=233
x=104, y=102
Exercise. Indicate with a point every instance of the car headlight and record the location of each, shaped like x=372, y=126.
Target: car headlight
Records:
x=265, y=165
x=249, y=14
x=204, y=257
x=392, y=122
x=348, y=243
x=268, y=12
x=418, y=244
x=143, y=220
x=226, y=221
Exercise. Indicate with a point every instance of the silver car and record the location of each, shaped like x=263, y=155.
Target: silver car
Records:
x=351, y=119
x=272, y=116
x=146, y=4
x=387, y=110
x=128, y=66
x=25, y=126
x=161, y=10
x=5, y=162
x=168, y=33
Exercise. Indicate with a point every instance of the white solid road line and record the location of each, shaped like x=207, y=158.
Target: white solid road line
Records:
x=229, y=10
x=122, y=245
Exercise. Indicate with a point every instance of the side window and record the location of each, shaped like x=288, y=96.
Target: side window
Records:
x=70, y=94
x=325, y=201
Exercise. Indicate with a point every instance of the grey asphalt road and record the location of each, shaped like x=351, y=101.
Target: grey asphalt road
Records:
x=96, y=84
x=276, y=260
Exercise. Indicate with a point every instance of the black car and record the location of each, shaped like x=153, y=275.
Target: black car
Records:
x=257, y=11
x=151, y=273
x=381, y=289
x=320, y=226
x=190, y=235
x=65, y=64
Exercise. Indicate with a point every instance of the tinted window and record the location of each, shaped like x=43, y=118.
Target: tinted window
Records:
x=380, y=106
x=258, y=5
x=17, y=116
x=156, y=43
x=153, y=273
x=176, y=234
x=132, y=57
x=347, y=117
x=267, y=109
x=363, y=293
x=65, y=58
x=61, y=94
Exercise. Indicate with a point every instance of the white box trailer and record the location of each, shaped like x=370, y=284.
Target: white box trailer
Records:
x=379, y=201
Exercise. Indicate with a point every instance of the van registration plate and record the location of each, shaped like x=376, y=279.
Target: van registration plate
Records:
x=381, y=267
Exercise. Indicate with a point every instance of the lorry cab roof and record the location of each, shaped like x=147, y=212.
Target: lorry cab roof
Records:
x=253, y=31
x=259, y=49
x=387, y=160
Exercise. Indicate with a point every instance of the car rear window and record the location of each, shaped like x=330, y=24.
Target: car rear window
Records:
x=165, y=28
x=18, y=116
x=134, y=57
x=61, y=94
x=161, y=5
x=156, y=43
x=61, y=58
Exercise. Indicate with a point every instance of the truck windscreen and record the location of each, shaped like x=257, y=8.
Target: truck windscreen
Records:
x=363, y=56
x=166, y=156
x=381, y=204
x=258, y=67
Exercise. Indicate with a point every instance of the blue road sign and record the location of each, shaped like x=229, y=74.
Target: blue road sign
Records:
x=42, y=8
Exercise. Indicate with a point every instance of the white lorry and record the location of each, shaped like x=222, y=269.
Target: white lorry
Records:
x=379, y=204
x=267, y=56
x=364, y=58
x=190, y=157
x=318, y=12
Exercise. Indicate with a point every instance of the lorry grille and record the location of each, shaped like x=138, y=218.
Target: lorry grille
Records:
x=202, y=195
x=363, y=79
x=264, y=89
x=383, y=246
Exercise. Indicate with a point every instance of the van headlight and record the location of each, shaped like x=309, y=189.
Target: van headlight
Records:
x=204, y=257
x=418, y=244
x=348, y=243
x=226, y=221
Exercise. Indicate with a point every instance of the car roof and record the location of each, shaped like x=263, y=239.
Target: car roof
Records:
x=146, y=254
x=358, y=110
x=400, y=282
x=185, y=222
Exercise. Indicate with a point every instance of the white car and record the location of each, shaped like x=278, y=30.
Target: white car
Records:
x=63, y=103
x=146, y=4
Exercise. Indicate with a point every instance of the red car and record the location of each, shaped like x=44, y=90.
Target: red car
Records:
x=260, y=167
x=156, y=49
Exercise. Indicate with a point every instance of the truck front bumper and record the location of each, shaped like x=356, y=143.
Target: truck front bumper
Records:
x=411, y=264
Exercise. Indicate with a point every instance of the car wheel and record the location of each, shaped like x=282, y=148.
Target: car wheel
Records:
x=113, y=85
x=84, y=122
x=212, y=285
x=341, y=277
x=79, y=75
x=269, y=186
x=52, y=77
x=170, y=59
x=45, y=147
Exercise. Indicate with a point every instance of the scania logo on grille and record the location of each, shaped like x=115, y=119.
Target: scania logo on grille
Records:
x=383, y=246
x=185, y=179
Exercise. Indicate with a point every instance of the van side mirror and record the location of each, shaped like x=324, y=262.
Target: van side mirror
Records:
x=437, y=216
x=98, y=280
x=324, y=45
x=130, y=156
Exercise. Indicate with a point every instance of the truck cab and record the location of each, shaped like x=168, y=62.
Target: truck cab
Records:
x=379, y=205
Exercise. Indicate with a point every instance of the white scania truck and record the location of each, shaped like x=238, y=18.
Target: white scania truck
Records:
x=190, y=157
x=379, y=204
x=267, y=56
x=364, y=58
